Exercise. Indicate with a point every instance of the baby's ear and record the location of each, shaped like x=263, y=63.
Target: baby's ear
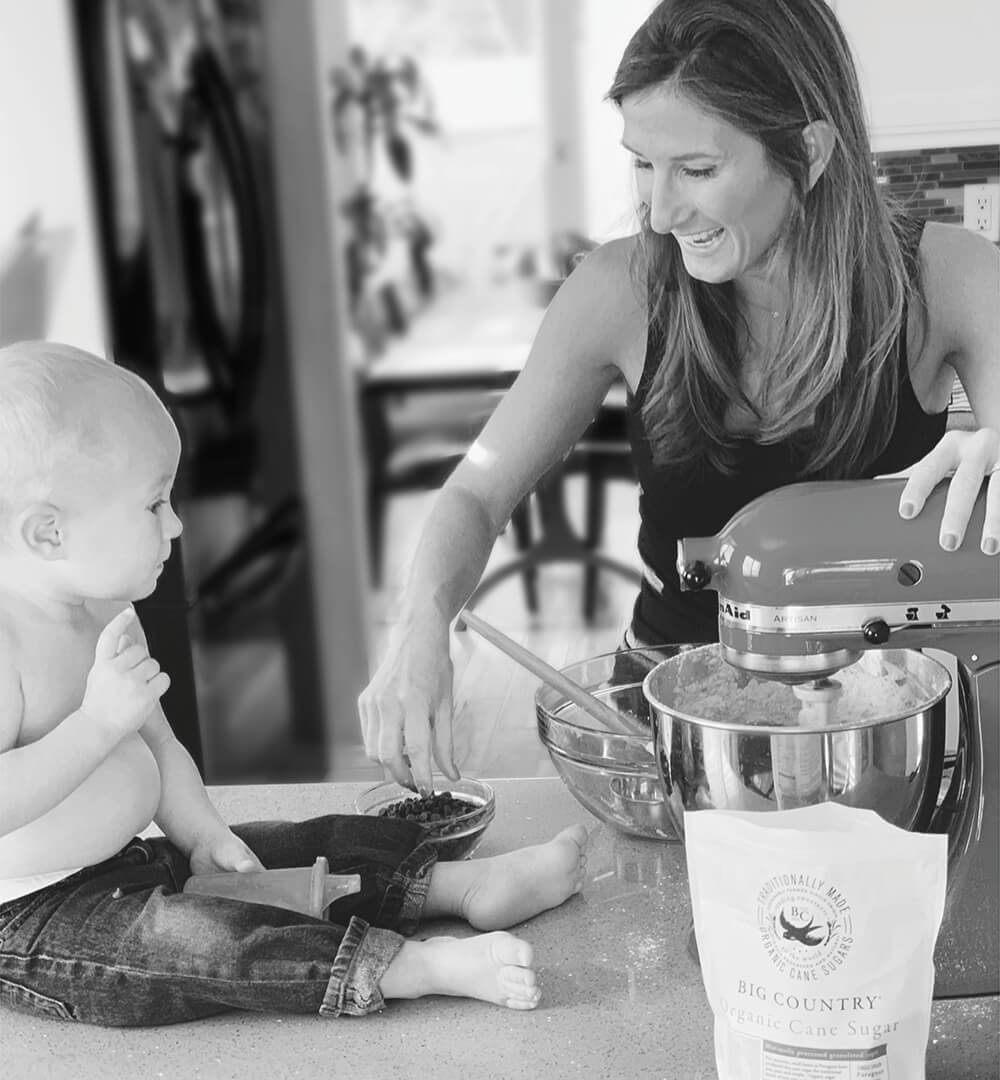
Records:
x=39, y=527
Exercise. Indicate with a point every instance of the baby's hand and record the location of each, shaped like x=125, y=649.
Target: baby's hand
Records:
x=125, y=682
x=221, y=852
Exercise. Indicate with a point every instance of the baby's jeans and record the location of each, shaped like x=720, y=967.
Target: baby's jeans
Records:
x=120, y=944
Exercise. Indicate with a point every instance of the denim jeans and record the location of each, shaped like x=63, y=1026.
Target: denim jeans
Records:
x=120, y=944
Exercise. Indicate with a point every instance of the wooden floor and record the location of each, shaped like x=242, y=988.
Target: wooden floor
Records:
x=243, y=686
x=494, y=726
x=243, y=691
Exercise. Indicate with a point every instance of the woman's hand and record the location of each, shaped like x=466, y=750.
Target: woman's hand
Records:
x=968, y=457
x=221, y=852
x=406, y=710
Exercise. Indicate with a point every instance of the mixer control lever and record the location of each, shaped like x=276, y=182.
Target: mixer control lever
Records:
x=696, y=575
x=876, y=631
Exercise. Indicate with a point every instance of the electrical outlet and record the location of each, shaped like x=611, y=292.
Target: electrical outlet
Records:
x=982, y=210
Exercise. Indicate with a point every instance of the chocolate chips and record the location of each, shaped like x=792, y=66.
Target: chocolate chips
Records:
x=430, y=809
x=453, y=824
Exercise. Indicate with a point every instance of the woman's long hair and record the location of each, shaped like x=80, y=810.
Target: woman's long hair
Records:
x=768, y=68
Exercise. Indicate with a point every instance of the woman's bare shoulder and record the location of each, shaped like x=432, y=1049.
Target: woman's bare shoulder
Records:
x=601, y=306
x=961, y=278
x=616, y=267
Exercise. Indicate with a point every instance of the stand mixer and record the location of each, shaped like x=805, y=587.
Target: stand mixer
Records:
x=812, y=575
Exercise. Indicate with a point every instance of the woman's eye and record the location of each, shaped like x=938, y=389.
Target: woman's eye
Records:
x=156, y=506
x=638, y=163
x=700, y=174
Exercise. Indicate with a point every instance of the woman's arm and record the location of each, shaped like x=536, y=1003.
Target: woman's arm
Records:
x=582, y=346
x=962, y=289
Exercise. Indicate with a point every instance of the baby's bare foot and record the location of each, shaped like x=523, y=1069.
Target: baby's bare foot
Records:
x=491, y=967
x=507, y=889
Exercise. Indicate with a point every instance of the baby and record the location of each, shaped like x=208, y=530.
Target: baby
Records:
x=94, y=922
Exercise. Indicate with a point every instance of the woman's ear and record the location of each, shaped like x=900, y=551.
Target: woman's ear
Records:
x=40, y=529
x=820, y=138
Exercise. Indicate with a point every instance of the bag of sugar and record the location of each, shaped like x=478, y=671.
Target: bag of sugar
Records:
x=815, y=930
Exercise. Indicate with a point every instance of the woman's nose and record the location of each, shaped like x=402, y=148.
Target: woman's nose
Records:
x=666, y=211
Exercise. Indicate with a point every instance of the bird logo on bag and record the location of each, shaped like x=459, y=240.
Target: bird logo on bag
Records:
x=801, y=934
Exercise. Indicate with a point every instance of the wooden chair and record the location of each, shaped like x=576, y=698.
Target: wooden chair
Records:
x=416, y=448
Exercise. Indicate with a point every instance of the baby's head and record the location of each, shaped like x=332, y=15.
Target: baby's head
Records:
x=81, y=441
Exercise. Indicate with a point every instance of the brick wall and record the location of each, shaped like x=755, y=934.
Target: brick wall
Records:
x=930, y=182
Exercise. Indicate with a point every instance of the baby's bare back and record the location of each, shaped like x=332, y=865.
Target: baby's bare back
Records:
x=117, y=799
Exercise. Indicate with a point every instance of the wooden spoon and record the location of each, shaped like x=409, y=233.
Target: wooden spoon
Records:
x=611, y=718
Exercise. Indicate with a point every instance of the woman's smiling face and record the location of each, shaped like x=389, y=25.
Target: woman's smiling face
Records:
x=706, y=183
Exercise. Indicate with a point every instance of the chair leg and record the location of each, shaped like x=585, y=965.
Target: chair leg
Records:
x=593, y=533
x=376, y=530
x=520, y=522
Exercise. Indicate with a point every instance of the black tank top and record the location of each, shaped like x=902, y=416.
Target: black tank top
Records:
x=676, y=502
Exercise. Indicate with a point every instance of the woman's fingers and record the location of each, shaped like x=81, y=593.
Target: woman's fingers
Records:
x=991, y=526
x=403, y=739
x=444, y=746
x=368, y=714
x=962, y=492
x=397, y=735
x=924, y=476
x=389, y=742
x=967, y=457
x=417, y=740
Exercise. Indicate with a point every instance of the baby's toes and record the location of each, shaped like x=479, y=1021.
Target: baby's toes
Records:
x=576, y=833
x=519, y=988
x=519, y=977
x=507, y=949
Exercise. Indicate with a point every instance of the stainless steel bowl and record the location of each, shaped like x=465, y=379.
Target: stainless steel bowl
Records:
x=872, y=736
x=612, y=775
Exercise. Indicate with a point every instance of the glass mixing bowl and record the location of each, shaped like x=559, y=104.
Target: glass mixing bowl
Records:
x=871, y=735
x=613, y=775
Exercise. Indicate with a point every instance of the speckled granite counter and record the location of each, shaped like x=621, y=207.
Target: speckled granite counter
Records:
x=621, y=997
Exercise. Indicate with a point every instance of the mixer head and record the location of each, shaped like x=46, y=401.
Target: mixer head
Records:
x=811, y=575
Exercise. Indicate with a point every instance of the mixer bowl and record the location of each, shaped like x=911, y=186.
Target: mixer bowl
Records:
x=613, y=775
x=727, y=739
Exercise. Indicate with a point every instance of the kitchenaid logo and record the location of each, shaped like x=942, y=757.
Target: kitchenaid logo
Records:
x=733, y=611
x=805, y=925
x=764, y=616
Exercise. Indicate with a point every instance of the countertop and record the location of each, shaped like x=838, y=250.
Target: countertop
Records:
x=620, y=996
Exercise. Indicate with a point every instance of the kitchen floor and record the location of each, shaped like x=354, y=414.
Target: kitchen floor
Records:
x=495, y=733
x=243, y=684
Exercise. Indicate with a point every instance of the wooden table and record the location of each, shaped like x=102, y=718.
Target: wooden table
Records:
x=427, y=368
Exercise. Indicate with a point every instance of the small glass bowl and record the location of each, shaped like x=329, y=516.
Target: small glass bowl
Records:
x=455, y=837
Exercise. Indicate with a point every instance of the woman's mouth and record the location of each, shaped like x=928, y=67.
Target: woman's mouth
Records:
x=701, y=242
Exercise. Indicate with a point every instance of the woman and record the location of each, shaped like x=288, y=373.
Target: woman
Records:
x=776, y=320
